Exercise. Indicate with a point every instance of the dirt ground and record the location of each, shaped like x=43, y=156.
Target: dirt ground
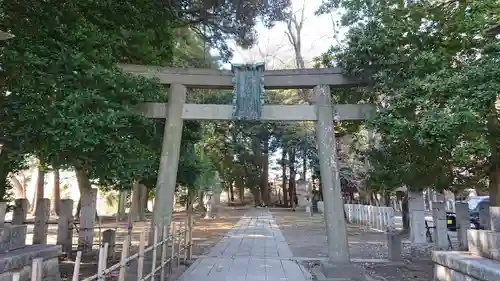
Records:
x=307, y=239
x=206, y=233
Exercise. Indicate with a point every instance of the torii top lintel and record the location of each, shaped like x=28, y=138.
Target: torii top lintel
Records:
x=221, y=79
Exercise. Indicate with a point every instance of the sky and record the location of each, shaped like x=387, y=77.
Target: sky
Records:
x=317, y=36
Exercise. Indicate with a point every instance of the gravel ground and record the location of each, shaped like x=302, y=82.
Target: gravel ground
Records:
x=307, y=239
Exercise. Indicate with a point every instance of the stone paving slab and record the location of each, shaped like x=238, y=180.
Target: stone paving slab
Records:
x=253, y=250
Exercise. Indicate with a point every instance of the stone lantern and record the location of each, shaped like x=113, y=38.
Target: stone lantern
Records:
x=304, y=195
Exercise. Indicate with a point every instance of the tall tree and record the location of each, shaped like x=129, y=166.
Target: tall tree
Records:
x=434, y=130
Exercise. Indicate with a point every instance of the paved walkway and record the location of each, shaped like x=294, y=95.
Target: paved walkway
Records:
x=253, y=250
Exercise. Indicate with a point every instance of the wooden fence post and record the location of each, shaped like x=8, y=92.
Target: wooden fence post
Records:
x=178, y=235
x=164, y=251
x=172, y=256
x=140, y=261
x=123, y=259
x=76, y=269
x=189, y=238
x=155, y=245
x=37, y=269
x=16, y=276
x=102, y=263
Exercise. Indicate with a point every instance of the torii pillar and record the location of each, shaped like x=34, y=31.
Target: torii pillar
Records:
x=169, y=159
x=339, y=261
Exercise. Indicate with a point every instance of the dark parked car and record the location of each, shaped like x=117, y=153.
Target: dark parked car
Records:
x=475, y=205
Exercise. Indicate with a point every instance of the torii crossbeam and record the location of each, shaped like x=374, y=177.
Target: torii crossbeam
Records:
x=322, y=112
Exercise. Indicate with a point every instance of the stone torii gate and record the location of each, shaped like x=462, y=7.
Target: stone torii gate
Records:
x=322, y=112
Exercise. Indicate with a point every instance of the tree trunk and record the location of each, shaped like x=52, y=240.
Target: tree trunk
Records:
x=231, y=192
x=18, y=187
x=493, y=126
x=284, y=178
x=137, y=208
x=57, y=191
x=265, y=173
x=84, y=186
x=240, y=187
x=387, y=199
x=39, y=189
x=405, y=213
x=122, y=200
x=4, y=172
x=190, y=201
x=304, y=165
x=291, y=180
x=144, y=201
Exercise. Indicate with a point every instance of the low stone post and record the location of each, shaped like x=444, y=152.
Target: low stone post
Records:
x=309, y=208
x=65, y=226
x=42, y=215
x=87, y=220
x=463, y=224
x=109, y=236
x=394, y=246
x=208, y=206
x=440, y=225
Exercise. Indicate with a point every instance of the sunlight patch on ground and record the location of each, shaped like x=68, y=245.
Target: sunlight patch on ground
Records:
x=251, y=236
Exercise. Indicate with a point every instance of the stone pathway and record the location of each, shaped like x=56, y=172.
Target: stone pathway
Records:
x=253, y=250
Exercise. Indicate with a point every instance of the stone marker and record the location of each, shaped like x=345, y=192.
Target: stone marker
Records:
x=391, y=222
x=463, y=224
x=20, y=211
x=417, y=219
x=484, y=216
x=440, y=226
x=65, y=226
x=3, y=211
x=87, y=220
x=42, y=214
x=21, y=261
x=12, y=238
x=484, y=243
x=495, y=218
x=109, y=236
x=381, y=214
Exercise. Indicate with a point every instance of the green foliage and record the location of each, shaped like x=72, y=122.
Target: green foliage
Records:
x=435, y=82
x=64, y=100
